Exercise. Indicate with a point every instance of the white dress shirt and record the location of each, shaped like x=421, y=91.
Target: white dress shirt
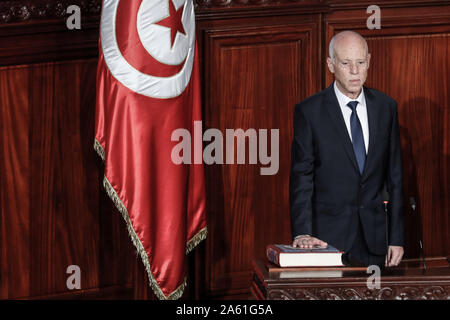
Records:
x=361, y=110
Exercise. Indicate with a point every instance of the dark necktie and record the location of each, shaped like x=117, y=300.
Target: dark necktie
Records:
x=357, y=136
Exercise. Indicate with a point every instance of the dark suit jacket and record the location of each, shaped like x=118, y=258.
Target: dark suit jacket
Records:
x=327, y=191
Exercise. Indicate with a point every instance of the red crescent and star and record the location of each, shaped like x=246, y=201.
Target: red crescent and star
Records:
x=130, y=45
x=173, y=22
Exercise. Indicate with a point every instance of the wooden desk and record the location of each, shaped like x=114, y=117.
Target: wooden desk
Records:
x=409, y=281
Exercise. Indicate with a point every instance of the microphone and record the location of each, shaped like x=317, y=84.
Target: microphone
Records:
x=385, y=199
x=385, y=207
x=412, y=203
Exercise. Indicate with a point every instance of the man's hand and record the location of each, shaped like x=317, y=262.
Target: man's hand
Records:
x=394, y=256
x=308, y=242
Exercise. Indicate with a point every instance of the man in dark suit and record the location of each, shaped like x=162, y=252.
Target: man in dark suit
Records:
x=346, y=150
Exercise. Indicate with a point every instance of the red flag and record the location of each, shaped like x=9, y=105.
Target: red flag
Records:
x=147, y=87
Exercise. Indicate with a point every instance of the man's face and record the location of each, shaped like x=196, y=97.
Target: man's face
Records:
x=350, y=65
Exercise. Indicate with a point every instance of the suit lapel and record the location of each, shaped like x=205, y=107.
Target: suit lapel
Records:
x=373, y=116
x=338, y=120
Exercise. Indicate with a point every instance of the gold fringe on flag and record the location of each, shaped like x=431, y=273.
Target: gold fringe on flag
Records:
x=99, y=149
x=191, y=244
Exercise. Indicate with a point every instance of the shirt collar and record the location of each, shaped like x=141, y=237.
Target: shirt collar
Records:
x=344, y=100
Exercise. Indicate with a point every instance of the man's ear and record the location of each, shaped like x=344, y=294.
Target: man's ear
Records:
x=368, y=61
x=330, y=65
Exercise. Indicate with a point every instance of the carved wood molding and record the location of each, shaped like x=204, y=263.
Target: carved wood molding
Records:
x=14, y=11
x=26, y=10
x=221, y=3
x=434, y=292
x=355, y=4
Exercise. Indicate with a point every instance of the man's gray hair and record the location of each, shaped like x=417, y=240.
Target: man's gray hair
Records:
x=331, y=45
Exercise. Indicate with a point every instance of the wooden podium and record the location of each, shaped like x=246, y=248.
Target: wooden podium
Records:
x=408, y=281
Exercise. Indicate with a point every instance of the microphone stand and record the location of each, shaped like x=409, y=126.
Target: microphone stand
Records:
x=385, y=207
x=412, y=202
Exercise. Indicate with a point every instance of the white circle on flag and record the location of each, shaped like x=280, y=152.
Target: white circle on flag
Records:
x=157, y=41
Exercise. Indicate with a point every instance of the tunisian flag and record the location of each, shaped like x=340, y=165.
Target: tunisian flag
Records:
x=147, y=87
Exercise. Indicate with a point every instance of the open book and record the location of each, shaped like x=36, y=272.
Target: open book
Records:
x=288, y=256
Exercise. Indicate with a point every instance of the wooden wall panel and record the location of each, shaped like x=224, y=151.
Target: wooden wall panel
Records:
x=410, y=62
x=62, y=197
x=51, y=209
x=45, y=156
x=254, y=77
x=424, y=115
x=14, y=187
x=54, y=211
